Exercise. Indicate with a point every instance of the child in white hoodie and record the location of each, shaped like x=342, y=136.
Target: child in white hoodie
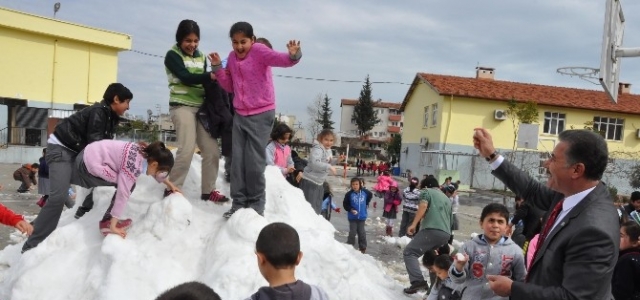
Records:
x=317, y=169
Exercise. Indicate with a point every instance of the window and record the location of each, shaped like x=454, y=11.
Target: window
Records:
x=553, y=122
x=426, y=117
x=434, y=112
x=542, y=171
x=401, y=124
x=375, y=133
x=610, y=128
x=353, y=121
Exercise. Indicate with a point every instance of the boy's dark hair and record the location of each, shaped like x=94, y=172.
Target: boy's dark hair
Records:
x=324, y=133
x=185, y=28
x=635, y=196
x=192, y=290
x=242, y=27
x=159, y=153
x=280, y=244
x=443, y=261
x=279, y=131
x=264, y=41
x=495, y=208
x=117, y=89
x=356, y=179
x=430, y=182
x=428, y=258
x=632, y=229
x=35, y=165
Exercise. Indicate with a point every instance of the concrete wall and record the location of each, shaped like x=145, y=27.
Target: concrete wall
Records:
x=20, y=154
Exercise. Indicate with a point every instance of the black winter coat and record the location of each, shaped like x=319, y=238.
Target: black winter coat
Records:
x=216, y=114
x=94, y=123
x=625, y=284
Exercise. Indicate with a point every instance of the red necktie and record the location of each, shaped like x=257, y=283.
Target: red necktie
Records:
x=547, y=228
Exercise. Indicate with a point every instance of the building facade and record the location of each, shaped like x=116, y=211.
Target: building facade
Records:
x=442, y=112
x=51, y=68
x=391, y=123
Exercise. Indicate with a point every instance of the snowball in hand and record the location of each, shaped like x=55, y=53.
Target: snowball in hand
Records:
x=460, y=257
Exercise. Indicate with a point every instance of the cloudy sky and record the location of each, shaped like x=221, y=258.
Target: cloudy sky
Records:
x=346, y=40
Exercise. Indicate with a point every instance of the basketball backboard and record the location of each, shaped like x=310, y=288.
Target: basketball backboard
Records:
x=611, y=42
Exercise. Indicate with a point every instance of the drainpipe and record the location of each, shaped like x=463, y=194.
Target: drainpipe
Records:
x=446, y=134
x=53, y=73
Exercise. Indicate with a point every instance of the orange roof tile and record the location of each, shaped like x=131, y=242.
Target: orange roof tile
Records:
x=375, y=103
x=447, y=85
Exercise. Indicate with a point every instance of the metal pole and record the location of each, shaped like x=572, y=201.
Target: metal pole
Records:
x=627, y=52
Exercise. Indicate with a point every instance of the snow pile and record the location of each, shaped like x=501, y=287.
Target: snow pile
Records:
x=178, y=239
x=401, y=242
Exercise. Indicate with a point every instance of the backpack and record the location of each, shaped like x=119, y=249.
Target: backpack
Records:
x=447, y=293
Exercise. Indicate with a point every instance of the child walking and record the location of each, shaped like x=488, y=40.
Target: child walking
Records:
x=118, y=163
x=392, y=202
x=411, y=195
x=248, y=76
x=278, y=152
x=327, y=203
x=355, y=203
x=490, y=253
x=317, y=169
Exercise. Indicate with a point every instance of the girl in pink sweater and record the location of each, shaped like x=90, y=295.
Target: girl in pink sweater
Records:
x=248, y=76
x=118, y=163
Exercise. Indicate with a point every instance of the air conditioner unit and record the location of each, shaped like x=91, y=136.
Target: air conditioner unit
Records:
x=424, y=142
x=638, y=133
x=500, y=114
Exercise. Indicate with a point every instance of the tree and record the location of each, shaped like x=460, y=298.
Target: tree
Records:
x=363, y=113
x=393, y=148
x=325, y=113
x=634, y=180
x=313, y=112
x=520, y=113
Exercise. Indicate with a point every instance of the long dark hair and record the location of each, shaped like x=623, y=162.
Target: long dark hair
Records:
x=187, y=27
x=159, y=153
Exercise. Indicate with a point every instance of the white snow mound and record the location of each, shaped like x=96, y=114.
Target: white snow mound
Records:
x=181, y=238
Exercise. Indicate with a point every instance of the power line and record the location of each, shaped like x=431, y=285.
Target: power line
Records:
x=294, y=77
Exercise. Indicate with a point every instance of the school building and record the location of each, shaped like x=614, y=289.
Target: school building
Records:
x=441, y=112
x=50, y=69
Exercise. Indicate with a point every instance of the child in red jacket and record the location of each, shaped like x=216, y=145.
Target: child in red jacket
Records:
x=9, y=218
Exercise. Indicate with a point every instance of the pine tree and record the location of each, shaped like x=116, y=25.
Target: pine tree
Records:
x=363, y=113
x=325, y=113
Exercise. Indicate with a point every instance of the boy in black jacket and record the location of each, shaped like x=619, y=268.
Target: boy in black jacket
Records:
x=94, y=123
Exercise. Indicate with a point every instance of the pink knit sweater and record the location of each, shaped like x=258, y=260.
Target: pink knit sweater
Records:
x=250, y=79
x=117, y=162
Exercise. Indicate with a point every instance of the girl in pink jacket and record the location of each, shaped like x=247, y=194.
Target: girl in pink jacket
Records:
x=118, y=163
x=382, y=186
x=248, y=76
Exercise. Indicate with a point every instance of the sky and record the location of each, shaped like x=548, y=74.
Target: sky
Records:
x=525, y=41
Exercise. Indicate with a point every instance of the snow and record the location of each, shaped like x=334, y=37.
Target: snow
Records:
x=177, y=239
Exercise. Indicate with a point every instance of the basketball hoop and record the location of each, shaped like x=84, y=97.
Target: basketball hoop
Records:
x=584, y=73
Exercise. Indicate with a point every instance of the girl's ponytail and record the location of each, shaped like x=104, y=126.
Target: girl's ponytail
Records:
x=159, y=153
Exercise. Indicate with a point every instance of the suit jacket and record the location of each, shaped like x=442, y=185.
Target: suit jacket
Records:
x=577, y=258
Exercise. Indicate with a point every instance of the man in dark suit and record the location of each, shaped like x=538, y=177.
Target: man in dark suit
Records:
x=579, y=242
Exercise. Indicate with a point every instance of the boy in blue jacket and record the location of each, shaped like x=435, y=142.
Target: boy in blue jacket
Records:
x=355, y=204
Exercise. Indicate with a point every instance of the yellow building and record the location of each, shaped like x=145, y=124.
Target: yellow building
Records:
x=441, y=112
x=49, y=69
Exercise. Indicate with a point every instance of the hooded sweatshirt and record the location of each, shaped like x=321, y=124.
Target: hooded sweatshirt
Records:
x=318, y=165
x=504, y=258
x=291, y=291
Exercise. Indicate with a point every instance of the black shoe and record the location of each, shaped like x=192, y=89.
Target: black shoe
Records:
x=416, y=286
x=204, y=197
x=227, y=177
x=167, y=193
x=23, y=191
x=80, y=212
